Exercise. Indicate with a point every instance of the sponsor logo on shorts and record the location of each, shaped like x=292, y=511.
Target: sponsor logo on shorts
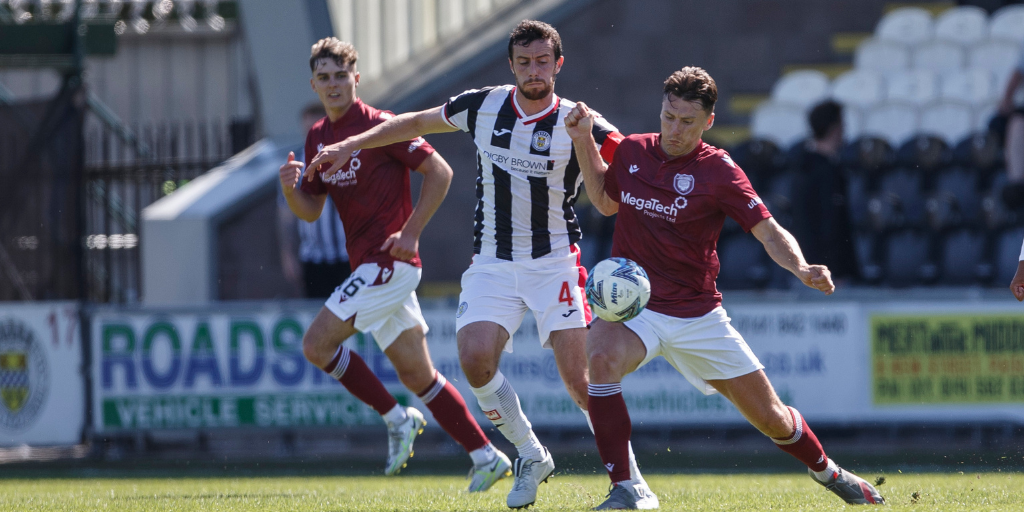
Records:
x=493, y=414
x=571, y=311
x=462, y=309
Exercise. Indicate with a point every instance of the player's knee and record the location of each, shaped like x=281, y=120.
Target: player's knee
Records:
x=476, y=364
x=417, y=379
x=311, y=348
x=605, y=364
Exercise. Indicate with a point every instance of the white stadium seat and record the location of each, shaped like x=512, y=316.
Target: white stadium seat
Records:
x=975, y=86
x=1008, y=23
x=939, y=56
x=915, y=86
x=780, y=123
x=895, y=123
x=805, y=88
x=909, y=25
x=1000, y=56
x=859, y=88
x=949, y=121
x=964, y=25
x=881, y=55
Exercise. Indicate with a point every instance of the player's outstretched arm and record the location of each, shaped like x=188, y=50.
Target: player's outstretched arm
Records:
x=437, y=176
x=397, y=129
x=579, y=124
x=782, y=247
x=305, y=206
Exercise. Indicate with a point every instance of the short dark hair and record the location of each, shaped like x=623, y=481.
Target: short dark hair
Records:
x=528, y=31
x=693, y=84
x=339, y=51
x=824, y=116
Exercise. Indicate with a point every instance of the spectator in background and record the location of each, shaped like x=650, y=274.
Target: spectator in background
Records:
x=1013, y=193
x=313, y=254
x=820, y=205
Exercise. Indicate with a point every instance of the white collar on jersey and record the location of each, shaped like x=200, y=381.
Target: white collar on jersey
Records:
x=539, y=115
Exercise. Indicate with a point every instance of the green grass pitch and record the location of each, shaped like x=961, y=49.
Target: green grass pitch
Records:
x=943, y=491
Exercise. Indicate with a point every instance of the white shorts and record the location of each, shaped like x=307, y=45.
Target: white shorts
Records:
x=702, y=349
x=382, y=300
x=502, y=291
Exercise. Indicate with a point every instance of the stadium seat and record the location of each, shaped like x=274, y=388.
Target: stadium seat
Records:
x=899, y=202
x=744, y=263
x=1008, y=23
x=996, y=214
x=980, y=151
x=853, y=123
x=859, y=88
x=906, y=261
x=938, y=56
x=760, y=159
x=857, y=196
x=974, y=86
x=878, y=55
x=914, y=86
x=955, y=201
x=804, y=88
x=778, y=197
x=984, y=116
x=780, y=123
x=1007, y=254
x=963, y=258
x=867, y=246
x=949, y=121
x=894, y=123
x=964, y=25
x=908, y=25
x=999, y=56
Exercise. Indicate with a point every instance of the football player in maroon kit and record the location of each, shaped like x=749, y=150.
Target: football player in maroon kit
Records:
x=672, y=192
x=373, y=199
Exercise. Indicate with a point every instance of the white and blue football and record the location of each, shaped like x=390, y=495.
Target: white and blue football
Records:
x=617, y=289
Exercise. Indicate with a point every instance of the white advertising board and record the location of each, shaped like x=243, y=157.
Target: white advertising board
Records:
x=42, y=386
x=220, y=367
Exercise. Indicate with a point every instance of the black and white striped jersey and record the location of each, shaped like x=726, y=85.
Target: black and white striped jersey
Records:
x=528, y=177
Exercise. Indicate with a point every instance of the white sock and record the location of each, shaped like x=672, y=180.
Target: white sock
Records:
x=483, y=455
x=395, y=416
x=501, y=405
x=634, y=469
x=825, y=475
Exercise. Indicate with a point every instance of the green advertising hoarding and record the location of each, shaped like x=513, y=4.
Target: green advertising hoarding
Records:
x=976, y=358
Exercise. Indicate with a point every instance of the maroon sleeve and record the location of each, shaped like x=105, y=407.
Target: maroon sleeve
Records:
x=736, y=196
x=611, y=178
x=315, y=187
x=411, y=153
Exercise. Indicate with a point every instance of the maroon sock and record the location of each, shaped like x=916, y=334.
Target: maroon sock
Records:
x=450, y=411
x=803, y=444
x=352, y=372
x=612, y=428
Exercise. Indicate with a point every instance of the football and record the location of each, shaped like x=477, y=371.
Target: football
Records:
x=617, y=289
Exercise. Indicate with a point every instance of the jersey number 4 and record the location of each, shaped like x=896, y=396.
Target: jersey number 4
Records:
x=565, y=295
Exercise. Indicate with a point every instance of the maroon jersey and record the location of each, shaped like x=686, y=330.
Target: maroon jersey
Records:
x=670, y=215
x=371, y=191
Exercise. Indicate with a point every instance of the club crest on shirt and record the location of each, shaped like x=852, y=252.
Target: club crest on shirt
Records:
x=541, y=140
x=683, y=184
x=462, y=310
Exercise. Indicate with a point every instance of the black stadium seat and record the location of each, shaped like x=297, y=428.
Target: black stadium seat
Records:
x=744, y=263
x=963, y=258
x=899, y=202
x=907, y=259
x=955, y=201
x=1007, y=254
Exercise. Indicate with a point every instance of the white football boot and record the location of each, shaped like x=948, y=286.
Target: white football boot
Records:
x=400, y=439
x=529, y=475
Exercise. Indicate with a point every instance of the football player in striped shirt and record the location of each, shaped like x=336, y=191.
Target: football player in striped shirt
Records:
x=694, y=186
x=372, y=199
x=525, y=253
